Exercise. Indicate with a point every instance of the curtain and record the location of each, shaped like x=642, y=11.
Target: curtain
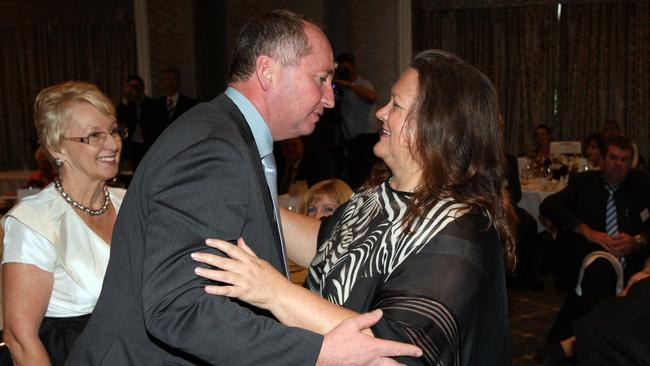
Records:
x=571, y=73
x=605, y=50
x=513, y=46
x=36, y=55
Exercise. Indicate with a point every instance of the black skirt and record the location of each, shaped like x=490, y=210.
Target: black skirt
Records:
x=58, y=336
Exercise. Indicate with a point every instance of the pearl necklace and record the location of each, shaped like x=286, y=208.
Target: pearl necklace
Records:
x=78, y=205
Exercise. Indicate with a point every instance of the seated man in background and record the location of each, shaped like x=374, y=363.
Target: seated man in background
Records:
x=295, y=164
x=542, y=149
x=611, y=128
x=608, y=211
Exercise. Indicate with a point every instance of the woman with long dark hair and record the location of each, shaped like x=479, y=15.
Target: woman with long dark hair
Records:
x=427, y=242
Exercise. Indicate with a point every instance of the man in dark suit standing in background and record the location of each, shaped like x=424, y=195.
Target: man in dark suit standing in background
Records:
x=175, y=102
x=138, y=113
x=210, y=175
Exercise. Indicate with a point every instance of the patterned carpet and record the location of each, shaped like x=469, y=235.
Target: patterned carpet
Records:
x=531, y=316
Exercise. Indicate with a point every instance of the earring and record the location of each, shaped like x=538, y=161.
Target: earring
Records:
x=58, y=163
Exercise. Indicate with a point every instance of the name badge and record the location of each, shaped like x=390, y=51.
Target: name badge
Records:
x=645, y=215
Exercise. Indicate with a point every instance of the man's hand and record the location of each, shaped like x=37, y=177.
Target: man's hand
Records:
x=348, y=345
x=598, y=237
x=242, y=274
x=623, y=244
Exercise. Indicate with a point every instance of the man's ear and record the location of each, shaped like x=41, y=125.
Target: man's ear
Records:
x=264, y=71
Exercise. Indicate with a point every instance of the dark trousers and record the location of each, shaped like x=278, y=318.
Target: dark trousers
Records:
x=598, y=284
x=529, y=246
x=58, y=336
x=615, y=332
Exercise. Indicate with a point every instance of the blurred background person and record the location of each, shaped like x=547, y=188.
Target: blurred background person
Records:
x=530, y=247
x=56, y=243
x=603, y=227
x=427, y=242
x=615, y=331
x=542, y=150
x=324, y=197
x=355, y=100
x=175, y=103
x=594, y=150
x=295, y=165
x=138, y=113
x=44, y=174
x=611, y=128
x=320, y=200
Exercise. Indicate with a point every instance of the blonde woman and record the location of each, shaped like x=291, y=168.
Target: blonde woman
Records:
x=324, y=197
x=57, y=243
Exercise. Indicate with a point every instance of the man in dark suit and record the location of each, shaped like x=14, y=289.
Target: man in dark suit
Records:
x=296, y=164
x=175, y=102
x=139, y=113
x=204, y=178
x=589, y=220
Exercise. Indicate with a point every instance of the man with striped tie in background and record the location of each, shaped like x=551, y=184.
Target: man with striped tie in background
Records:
x=605, y=218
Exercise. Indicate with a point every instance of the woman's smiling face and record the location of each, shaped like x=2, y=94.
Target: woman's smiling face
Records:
x=396, y=136
x=85, y=160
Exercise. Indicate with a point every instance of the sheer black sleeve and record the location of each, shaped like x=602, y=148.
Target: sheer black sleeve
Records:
x=431, y=300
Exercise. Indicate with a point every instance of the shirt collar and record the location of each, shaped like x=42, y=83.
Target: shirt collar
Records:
x=257, y=124
x=174, y=98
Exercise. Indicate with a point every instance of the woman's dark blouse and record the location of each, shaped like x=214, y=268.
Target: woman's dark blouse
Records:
x=441, y=287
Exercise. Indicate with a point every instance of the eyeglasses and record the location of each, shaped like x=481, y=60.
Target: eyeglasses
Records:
x=98, y=138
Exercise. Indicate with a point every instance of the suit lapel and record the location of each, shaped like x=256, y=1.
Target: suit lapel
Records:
x=247, y=134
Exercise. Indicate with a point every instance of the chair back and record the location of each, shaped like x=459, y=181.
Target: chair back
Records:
x=566, y=148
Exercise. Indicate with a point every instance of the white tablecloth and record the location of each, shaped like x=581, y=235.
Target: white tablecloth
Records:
x=532, y=196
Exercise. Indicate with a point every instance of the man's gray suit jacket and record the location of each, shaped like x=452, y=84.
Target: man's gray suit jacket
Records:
x=202, y=178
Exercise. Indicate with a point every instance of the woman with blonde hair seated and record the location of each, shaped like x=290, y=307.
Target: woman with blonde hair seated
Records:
x=324, y=197
x=57, y=243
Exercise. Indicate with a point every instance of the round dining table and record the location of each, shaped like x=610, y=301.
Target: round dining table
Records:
x=532, y=195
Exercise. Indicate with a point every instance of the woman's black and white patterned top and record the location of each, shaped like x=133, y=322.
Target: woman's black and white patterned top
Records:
x=437, y=284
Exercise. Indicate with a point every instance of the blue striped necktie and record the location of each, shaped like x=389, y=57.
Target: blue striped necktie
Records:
x=611, y=220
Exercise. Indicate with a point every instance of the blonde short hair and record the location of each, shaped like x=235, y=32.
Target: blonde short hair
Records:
x=53, y=108
x=335, y=189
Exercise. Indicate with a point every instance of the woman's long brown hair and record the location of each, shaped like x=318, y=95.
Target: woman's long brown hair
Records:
x=457, y=139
